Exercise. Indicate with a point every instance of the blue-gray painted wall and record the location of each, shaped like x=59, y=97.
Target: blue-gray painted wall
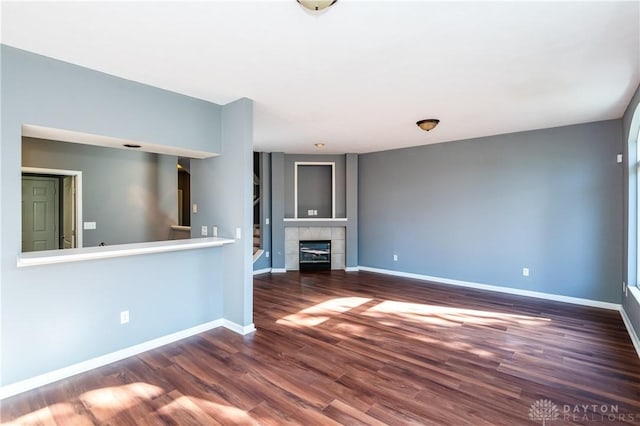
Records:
x=351, y=191
x=223, y=189
x=630, y=130
x=277, y=210
x=75, y=98
x=56, y=315
x=480, y=210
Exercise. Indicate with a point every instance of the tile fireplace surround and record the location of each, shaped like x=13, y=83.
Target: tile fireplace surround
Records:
x=293, y=235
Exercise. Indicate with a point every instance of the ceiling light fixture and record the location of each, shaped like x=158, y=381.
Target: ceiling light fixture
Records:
x=319, y=145
x=316, y=4
x=428, y=124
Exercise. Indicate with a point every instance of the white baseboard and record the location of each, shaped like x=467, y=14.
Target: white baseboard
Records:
x=278, y=270
x=81, y=367
x=237, y=328
x=509, y=290
x=632, y=332
x=352, y=268
x=261, y=271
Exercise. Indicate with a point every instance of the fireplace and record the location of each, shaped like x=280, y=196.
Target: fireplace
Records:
x=315, y=255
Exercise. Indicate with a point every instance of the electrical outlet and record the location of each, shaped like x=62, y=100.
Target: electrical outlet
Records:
x=203, y=230
x=214, y=231
x=395, y=257
x=525, y=272
x=266, y=255
x=124, y=317
x=238, y=233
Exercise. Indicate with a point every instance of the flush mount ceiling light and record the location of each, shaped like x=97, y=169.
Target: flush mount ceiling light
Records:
x=316, y=4
x=428, y=124
x=319, y=145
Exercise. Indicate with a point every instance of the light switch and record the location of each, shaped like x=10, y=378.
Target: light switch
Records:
x=89, y=225
x=238, y=233
x=309, y=212
x=194, y=208
x=266, y=221
x=203, y=230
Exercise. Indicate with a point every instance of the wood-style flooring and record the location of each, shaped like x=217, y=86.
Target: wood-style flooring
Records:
x=361, y=348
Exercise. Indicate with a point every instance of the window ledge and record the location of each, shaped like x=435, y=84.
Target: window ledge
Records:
x=90, y=253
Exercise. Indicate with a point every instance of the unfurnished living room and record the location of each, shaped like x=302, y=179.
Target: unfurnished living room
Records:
x=319, y=212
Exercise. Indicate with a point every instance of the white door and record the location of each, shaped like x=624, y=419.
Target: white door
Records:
x=39, y=213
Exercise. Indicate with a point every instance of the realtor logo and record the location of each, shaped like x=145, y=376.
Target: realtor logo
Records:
x=544, y=410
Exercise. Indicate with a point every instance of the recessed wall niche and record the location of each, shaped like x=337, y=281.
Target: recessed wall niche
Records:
x=314, y=190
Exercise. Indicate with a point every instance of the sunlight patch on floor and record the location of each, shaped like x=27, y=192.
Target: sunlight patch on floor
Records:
x=42, y=416
x=105, y=402
x=225, y=414
x=449, y=316
x=317, y=314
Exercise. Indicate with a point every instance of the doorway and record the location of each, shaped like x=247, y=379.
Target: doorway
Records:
x=51, y=209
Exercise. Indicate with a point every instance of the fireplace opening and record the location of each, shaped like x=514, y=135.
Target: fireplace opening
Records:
x=315, y=255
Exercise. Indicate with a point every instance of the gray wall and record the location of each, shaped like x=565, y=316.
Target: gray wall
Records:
x=131, y=195
x=223, y=189
x=289, y=161
x=480, y=210
x=56, y=315
x=630, y=129
x=314, y=191
x=352, y=210
x=277, y=209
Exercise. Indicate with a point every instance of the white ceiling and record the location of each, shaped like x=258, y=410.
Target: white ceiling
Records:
x=359, y=76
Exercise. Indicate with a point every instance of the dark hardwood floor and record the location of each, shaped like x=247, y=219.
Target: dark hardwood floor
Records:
x=362, y=348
